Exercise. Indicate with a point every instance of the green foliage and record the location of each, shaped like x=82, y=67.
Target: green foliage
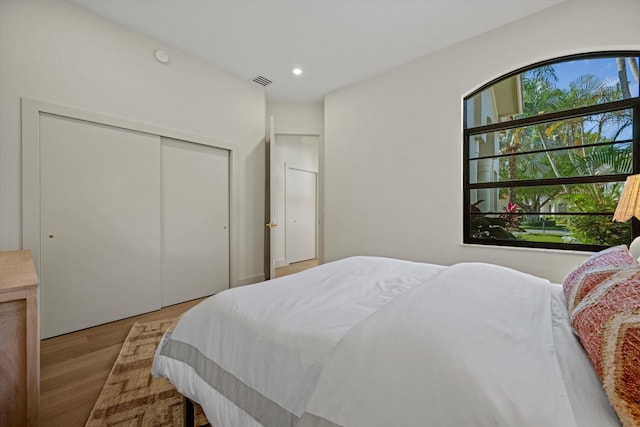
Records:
x=599, y=230
x=542, y=223
x=605, y=160
x=540, y=237
x=483, y=227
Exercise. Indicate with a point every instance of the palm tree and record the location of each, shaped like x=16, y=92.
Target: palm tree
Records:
x=622, y=76
x=634, y=68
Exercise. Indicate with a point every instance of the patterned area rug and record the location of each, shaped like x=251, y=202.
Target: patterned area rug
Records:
x=131, y=396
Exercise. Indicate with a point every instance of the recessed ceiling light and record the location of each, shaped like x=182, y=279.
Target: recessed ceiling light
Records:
x=297, y=71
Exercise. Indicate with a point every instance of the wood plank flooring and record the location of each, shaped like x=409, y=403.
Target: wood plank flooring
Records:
x=75, y=366
x=296, y=267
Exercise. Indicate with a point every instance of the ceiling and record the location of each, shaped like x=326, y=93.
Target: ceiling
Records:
x=335, y=42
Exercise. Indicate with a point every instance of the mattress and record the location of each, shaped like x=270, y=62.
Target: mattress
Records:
x=277, y=353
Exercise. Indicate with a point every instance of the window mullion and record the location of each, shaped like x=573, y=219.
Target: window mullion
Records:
x=555, y=116
x=550, y=181
x=562, y=166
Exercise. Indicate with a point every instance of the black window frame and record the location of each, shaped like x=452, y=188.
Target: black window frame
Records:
x=468, y=133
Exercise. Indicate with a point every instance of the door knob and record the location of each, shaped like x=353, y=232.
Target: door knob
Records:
x=271, y=225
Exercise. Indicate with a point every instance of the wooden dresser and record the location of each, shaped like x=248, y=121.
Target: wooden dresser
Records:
x=19, y=340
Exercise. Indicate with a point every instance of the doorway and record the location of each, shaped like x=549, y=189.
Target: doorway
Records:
x=296, y=171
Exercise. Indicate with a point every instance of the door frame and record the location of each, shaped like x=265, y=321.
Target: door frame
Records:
x=31, y=111
x=270, y=201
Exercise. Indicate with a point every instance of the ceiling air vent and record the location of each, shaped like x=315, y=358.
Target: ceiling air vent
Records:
x=262, y=80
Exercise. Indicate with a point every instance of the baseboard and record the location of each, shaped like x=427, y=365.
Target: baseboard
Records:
x=250, y=280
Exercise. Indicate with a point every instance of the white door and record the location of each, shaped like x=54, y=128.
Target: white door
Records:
x=100, y=224
x=300, y=207
x=195, y=226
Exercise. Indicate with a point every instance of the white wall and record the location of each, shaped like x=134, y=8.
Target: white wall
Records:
x=393, y=143
x=53, y=51
x=297, y=117
x=294, y=123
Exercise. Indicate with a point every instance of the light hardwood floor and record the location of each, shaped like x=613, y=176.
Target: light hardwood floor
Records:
x=296, y=267
x=75, y=366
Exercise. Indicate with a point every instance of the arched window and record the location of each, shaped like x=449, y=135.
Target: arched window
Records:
x=547, y=150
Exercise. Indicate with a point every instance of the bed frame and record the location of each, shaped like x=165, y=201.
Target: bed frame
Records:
x=189, y=413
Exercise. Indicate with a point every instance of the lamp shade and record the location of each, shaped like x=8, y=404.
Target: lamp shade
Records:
x=629, y=203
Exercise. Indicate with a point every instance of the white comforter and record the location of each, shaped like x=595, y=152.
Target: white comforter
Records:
x=379, y=342
x=473, y=348
x=264, y=346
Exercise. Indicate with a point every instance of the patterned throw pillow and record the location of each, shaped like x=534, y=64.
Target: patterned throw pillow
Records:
x=593, y=271
x=607, y=321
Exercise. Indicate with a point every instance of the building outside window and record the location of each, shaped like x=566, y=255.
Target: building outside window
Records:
x=547, y=150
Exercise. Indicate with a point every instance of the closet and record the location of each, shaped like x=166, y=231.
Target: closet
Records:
x=195, y=213
x=129, y=220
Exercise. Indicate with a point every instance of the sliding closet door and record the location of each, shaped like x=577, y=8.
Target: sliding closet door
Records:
x=195, y=228
x=100, y=224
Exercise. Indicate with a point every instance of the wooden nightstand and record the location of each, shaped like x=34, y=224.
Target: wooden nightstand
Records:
x=19, y=340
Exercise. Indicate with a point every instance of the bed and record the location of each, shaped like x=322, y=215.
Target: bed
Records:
x=371, y=341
